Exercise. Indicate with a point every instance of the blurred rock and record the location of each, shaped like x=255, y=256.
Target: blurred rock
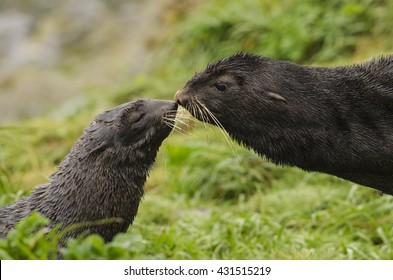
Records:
x=53, y=51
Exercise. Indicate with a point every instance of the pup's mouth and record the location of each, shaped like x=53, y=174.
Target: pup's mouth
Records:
x=169, y=111
x=169, y=117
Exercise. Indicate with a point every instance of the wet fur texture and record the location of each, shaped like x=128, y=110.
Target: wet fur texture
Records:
x=336, y=120
x=103, y=175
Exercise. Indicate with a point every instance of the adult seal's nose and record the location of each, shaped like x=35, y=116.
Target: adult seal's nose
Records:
x=181, y=98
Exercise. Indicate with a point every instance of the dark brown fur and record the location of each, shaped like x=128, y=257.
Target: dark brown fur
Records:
x=336, y=120
x=103, y=175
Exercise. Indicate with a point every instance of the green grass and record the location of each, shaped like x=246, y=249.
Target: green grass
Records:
x=289, y=214
x=207, y=198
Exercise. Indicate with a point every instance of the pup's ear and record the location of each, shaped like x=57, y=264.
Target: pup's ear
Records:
x=100, y=148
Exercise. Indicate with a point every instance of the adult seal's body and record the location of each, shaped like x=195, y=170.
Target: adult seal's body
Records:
x=103, y=175
x=335, y=120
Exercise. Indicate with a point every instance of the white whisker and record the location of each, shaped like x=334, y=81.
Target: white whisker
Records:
x=176, y=128
x=186, y=126
x=182, y=122
x=219, y=125
x=202, y=114
x=194, y=113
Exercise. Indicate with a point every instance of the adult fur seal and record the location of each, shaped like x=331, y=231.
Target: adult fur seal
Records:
x=103, y=175
x=336, y=120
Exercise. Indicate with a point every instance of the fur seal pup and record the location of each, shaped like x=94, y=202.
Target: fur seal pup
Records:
x=335, y=120
x=102, y=176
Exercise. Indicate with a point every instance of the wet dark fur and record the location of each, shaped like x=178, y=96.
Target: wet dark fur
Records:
x=103, y=175
x=336, y=120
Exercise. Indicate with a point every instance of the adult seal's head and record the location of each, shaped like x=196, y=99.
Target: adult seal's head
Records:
x=230, y=89
x=103, y=175
x=336, y=120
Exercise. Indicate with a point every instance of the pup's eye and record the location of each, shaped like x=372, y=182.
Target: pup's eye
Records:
x=220, y=86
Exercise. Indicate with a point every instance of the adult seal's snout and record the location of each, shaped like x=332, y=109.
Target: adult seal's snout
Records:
x=181, y=98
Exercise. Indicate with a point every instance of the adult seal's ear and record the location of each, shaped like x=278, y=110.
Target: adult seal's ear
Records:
x=276, y=97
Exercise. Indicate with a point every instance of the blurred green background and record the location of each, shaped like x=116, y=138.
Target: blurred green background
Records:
x=62, y=62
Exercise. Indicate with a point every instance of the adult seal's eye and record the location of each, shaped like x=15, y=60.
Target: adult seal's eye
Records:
x=220, y=86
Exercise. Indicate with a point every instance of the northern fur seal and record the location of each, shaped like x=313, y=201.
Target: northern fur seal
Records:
x=102, y=177
x=336, y=120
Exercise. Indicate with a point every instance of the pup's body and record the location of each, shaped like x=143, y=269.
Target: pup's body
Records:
x=103, y=175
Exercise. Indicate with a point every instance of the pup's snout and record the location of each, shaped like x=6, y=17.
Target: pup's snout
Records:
x=160, y=107
x=166, y=105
